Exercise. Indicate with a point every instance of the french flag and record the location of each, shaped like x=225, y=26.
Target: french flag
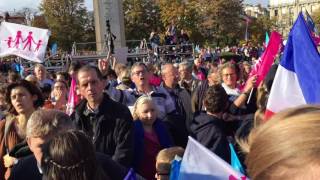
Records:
x=297, y=80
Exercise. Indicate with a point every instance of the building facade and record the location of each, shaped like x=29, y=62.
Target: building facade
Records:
x=255, y=10
x=285, y=12
x=8, y=17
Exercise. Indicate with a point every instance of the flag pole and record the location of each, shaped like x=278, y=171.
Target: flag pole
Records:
x=246, y=35
x=250, y=95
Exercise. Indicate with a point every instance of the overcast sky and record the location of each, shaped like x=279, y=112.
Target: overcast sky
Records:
x=10, y=5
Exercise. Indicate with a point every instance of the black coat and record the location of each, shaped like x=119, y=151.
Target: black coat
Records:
x=210, y=132
x=27, y=168
x=111, y=128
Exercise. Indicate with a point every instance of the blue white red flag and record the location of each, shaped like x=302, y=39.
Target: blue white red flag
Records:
x=297, y=80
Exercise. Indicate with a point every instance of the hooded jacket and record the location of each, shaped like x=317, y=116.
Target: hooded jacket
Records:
x=210, y=132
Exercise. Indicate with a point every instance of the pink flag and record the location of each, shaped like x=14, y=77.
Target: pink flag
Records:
x=262, y=67
x=73, y=98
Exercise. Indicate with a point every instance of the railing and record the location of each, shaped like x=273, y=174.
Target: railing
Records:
x=139, y=50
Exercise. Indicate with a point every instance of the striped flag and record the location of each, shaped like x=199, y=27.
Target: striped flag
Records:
x=297, y=80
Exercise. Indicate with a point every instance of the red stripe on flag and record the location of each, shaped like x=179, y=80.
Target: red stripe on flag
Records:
x=267, y=115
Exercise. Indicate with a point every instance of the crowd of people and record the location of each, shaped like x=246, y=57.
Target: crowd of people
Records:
x=140, y=117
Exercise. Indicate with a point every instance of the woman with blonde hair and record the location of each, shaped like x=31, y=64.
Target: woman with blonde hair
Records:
x=285, y=147
x=151, y=136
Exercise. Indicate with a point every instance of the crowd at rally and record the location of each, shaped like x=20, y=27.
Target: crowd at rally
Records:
x=139, y=117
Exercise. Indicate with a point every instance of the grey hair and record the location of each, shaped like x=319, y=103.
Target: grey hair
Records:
x=44, y=123
x=141, y=100
x=186, y=65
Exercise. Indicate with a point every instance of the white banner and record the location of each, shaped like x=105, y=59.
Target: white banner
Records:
x=23, y=41
x=199, y=163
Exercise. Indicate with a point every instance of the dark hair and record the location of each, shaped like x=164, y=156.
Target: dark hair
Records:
x=13, y=76
x=88, y=68
x=3, y=89
x=74, y=66
x=216, y=99
x=110, y=73
x=60, y=81
x=138, y=64
x=231, y=65
x=33, y=90
x=65, y=75
x=70, y=155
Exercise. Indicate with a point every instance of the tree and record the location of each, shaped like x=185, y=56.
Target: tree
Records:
x=258, y=28
x=205, y=20
x=66, y=19
x=40, y=22
x=141, y=17
x=184, y=14
x=221, y=20
x=89, y=35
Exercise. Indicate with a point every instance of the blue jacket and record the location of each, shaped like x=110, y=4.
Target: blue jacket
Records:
x=163, y=135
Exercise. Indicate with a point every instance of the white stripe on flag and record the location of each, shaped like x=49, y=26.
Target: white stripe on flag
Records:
x=285, y=91
x=199, y=163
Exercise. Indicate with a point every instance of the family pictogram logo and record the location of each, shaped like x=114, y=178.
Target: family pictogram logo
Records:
x=28, y=43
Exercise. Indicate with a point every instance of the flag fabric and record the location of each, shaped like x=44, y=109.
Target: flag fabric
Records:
x=72, y=98
x=197, y=48
x=54, y=49
x=297, y=80
x=235, y=162
x=262, y=67
x=131, y=175
x=21, y=70
x=267, y=39
x=198, y=162
x=23, y=41
x=175, y=168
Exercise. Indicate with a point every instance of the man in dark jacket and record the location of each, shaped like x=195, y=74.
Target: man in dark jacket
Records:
x=107, y=122
x=42, y=126
x=209, y=128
